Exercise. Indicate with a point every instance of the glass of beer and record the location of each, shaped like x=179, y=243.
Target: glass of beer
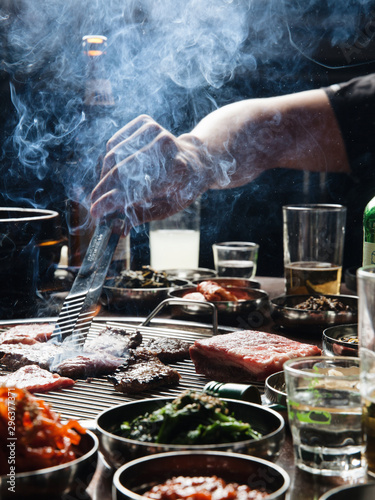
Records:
x=366, y=336
x=313, y=237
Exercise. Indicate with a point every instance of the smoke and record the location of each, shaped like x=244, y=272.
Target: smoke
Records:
x=175, y=60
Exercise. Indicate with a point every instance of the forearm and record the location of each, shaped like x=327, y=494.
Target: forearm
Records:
x=296, y=131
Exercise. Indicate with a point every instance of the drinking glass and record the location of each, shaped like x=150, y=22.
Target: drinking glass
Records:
x=174, y=241
x=325, y=415
x=235, y=259
x=313, y=237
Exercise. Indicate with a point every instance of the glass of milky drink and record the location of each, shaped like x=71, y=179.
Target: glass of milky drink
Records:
x=235, y=259
x=313, y=238
x=366, y=337
x=174, y=241
x=325, y=415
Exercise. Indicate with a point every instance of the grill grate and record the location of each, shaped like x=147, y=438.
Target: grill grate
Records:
x=87, y=398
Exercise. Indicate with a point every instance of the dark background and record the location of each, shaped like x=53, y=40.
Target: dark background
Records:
x=304, y=56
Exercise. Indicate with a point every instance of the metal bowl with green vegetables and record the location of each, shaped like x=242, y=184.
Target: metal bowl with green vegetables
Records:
x=158, y=425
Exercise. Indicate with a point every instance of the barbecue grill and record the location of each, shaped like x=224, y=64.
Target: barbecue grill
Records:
x=87, y=398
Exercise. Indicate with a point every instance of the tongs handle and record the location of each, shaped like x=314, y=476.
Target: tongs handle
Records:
x=94, y=254
x=79, y=306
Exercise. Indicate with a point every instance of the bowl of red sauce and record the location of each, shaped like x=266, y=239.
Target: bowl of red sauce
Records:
x=231, y=475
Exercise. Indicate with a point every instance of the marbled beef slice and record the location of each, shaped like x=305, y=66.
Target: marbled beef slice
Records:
x=246, y=355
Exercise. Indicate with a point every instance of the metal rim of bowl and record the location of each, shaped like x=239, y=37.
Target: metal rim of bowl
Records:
x=207, y=447
x=119, y=289
x=272, y=393
x=289, y=317
x=353, y=489
x=205, y=272
x=134, y=496
x=285, y=298
x=253, y=284
x=50, y=470
x=30, y=214
x=326, y=335
x=261, y=294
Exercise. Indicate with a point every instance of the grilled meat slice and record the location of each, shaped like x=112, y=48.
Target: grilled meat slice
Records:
x=87, y=364
x=41, y=353
x=114, y=341
x=101, y=356
x=35, y=379
x=29, y=333
x=143, y=372
x=168, y=350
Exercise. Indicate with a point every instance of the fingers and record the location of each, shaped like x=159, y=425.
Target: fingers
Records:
x=139, y=174
x=128, y=130
x=109, y=202
x=127, y=143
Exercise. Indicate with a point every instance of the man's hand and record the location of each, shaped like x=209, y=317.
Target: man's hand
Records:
x=148, y=173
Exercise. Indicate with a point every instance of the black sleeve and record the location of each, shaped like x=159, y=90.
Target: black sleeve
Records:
x=353, y=103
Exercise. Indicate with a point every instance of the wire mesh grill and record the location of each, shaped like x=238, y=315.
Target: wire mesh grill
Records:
x=87, y=398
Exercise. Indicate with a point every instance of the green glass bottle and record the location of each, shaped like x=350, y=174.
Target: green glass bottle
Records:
x=369, y=234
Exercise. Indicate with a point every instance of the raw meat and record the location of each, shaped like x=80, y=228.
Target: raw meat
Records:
x=35, y=379
x=29, y=333
x=143, y=372
x=245, y=355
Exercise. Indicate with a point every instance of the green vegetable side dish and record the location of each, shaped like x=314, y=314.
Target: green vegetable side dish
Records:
x=192, y=418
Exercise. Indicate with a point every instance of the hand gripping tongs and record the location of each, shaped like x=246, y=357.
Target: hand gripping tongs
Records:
x=80, y=306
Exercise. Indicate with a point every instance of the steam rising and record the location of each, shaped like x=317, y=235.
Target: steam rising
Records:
x=172, y=59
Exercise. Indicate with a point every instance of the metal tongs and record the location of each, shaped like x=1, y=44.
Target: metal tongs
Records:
x=80, y=306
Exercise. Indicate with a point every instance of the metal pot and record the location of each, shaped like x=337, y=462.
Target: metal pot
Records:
x=30, y=244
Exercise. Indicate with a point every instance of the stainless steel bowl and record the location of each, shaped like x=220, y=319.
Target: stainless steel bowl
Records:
x=287, y=316
x=336, y=340
x=136, y=477
x=136, y=300
x=55, y=482
x=275, y=390
x=200, y=273
x=249, y=312
x=118, y=450
x=348, y=492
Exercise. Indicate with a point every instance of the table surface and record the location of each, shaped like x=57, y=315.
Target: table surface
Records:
x=303, y=486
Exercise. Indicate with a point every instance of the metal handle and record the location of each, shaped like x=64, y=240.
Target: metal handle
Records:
x=103, y=233
x=184, y=302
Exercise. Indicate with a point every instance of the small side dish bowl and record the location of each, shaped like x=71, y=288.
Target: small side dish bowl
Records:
x=275, y=390
x=348, y=492
x=138, y=476
x=136, y=300
x=287, y=316
x=118, y=450
x=57, y=481
x=341, y=340
x=229, y=312
x=200, y=273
